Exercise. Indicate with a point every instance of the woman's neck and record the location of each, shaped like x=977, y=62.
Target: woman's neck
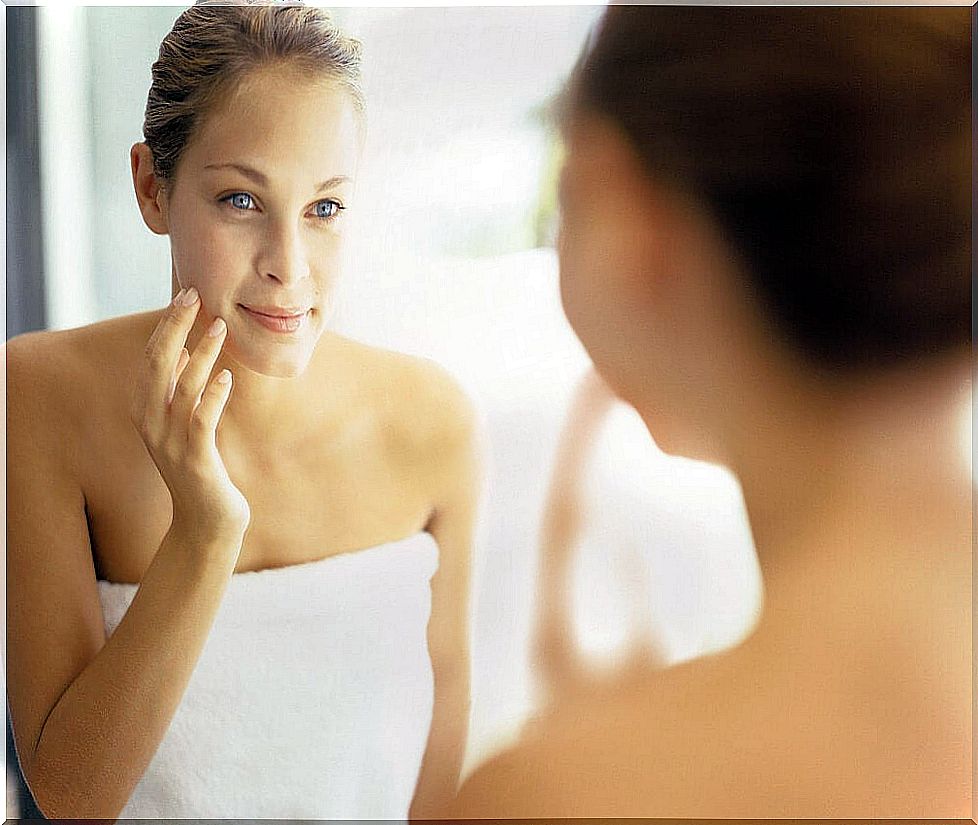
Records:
x=276, y=411
x=869, y=478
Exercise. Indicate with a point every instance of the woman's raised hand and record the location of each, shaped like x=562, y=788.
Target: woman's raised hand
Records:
x=176, y=409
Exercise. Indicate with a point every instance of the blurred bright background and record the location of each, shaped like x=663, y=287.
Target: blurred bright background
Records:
x=453, y=259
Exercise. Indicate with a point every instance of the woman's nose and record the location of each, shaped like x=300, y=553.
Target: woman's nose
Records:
x=285, y=257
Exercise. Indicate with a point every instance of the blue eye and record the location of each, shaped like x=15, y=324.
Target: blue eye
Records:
x=240, y=200
x=327, y=209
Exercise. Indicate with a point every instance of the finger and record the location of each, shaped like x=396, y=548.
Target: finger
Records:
x=164, y=345
x=203, y=425
x=184, y=304
x=191, y=383
x=182, y=362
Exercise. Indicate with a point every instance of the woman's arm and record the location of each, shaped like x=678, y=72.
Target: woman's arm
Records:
x=552, y=647
x=448, y=629
x=511, y=783
x=88, y=714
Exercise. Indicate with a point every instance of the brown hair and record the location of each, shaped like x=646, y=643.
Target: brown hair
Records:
x=212, y=47
x=832, y=146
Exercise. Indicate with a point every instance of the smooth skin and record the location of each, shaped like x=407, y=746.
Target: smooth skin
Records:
x=852, y=696
x=174, y=448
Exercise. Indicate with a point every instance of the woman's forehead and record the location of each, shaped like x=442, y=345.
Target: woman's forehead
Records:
x=272, y=123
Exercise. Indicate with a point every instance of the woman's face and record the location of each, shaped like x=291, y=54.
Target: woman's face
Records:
x=256, y=214
x=644, y=283
x=604, y=259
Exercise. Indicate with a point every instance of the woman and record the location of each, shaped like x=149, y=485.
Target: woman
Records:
x=765, y=249
x=222, y=517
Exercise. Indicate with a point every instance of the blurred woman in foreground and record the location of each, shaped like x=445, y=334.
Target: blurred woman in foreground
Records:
x=765, y=249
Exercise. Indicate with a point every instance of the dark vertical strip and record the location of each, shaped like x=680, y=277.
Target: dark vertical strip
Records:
x=25, y=271
x=27, y=807
x=25, y=261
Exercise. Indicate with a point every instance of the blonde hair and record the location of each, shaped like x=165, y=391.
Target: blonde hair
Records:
x=213, y=47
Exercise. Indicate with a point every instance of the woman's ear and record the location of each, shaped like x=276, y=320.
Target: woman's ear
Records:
x=150, y=194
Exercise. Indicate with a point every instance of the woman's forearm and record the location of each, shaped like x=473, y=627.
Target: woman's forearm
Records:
x=445, y=750
x=101, y=735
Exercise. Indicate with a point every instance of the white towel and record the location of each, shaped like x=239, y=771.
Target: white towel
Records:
x=311, y=699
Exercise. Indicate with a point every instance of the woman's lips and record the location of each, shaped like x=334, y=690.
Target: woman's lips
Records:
x=277, y=319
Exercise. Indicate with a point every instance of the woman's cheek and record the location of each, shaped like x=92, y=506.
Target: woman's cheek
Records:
x=223, y=249
x=220, y=258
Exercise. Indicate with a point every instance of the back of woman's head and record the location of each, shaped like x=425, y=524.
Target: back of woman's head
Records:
x=832, y=147
x=214, y=46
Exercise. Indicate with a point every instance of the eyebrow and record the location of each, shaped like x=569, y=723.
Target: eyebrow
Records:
x=262, y=180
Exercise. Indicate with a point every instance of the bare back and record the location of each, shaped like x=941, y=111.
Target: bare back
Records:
x=851, y=698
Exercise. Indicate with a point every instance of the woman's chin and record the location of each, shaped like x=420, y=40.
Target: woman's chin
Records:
x=689, y=442
x=284, y=364
x=292, y=370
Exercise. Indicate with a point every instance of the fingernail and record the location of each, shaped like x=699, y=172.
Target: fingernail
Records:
x=190, y=298
x=224, y=377
x=217, y=327
x=178, y=298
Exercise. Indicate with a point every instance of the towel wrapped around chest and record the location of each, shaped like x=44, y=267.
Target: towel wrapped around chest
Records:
x=312, y=697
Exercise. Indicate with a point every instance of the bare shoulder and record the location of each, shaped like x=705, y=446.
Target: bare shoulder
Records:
x=611, y=748
x=423, y=401
x=428, y=437
x=669, y=743
x=39, y=364
x=58, y=382
x=692, y=740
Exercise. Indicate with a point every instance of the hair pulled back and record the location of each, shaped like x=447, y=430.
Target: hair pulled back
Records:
x=832, y=146
x=212, y=47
